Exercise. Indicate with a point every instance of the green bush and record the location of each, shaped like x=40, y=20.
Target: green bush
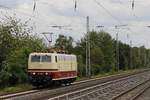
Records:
x=4, y=78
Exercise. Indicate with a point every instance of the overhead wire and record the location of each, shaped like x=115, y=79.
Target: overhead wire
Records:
x=107, y=11
x=15, y=11
x=98, y=3
x=132, y=8
x=132, y=12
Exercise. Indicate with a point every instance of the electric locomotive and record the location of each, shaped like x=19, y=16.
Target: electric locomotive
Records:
x=48, y=68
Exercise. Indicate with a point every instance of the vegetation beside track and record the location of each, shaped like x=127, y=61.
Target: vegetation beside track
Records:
x=15, y=89
x=101, y=75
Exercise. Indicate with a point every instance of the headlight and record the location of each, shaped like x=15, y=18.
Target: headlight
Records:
x=33, y=73
x=46, y=73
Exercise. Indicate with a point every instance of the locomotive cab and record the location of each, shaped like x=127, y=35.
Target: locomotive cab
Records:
x=42, y=61
x=39, y=67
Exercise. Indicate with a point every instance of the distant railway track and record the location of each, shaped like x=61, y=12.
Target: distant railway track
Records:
x=77, y=86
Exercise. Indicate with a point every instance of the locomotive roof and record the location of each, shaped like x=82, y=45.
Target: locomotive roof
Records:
x=51, y=54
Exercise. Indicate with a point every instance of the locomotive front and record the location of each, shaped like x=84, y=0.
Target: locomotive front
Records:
x=40, y=66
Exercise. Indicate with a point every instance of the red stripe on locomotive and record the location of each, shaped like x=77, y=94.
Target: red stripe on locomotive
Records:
x=55, y=74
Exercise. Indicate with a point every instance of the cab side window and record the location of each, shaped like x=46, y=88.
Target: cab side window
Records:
x=56, y=59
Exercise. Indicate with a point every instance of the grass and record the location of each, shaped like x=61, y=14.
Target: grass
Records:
x=14, y=89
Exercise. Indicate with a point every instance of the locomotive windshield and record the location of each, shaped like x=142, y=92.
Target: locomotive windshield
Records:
x=46, y=58
x=39, y=58
x=35, y=58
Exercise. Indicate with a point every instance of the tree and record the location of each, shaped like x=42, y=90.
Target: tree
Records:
x=124, y=56
x=64, y=43
x=16, y=43
x=102, y=51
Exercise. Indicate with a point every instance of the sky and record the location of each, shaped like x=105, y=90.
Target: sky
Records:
x=132, y=23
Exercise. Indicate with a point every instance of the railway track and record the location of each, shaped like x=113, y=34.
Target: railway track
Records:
x=113, y=90
x=133, y=93
x=143, y=94
x=77, y=86
x=18, y=94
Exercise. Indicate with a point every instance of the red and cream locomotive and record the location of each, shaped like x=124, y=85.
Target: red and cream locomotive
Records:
x=46, y=68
